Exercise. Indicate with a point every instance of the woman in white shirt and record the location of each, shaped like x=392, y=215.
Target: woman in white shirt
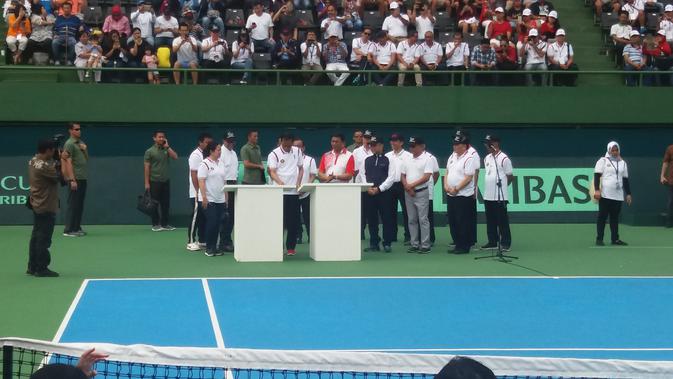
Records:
x=241, y=55
x=212, y=179
x=611, y=186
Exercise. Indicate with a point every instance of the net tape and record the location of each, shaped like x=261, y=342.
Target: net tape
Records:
x=367, y=364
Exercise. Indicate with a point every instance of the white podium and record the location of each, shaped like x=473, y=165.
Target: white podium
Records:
x=335, y=220
x=258, y=222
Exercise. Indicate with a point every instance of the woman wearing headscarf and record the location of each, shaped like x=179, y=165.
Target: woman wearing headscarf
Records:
x=611, y=185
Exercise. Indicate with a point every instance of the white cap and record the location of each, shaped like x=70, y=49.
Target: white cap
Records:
x=332, y=34
x=560, y=32
x=499, y=10
x=532, y=33
x=553, y=14
x=527, y=12
x=669, y=8
x=662, y=32
x=394, y=5
x=634, y=33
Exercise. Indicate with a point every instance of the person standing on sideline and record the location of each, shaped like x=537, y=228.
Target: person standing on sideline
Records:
x=286, y=167
x=310, y=173
x=416, y=173
x=459, y=186
x=431, y=190
x=43, y=202
x=251, y=155
x=359, y=155
x=667, y=180
x=397, y=156
x=357, y=140
x=230, y=161
x=499, y=174
x=475, y=154
x=74, y=161
x=213, y=197
x=197, y=225
x=380, y=173
x=338, y=164
x=157, y=179
x=611, y=188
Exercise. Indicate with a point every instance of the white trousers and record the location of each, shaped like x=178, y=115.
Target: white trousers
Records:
x=340, y=78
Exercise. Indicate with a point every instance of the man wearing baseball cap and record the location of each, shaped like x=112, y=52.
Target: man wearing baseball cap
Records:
x=143, y=18
x=666, y=23
x=416, y=173
x=542, y=7
x=397, y=156
x=380, y=173
x=396, y=24
x=498, y=176
x=335, y=53
x=560, y=56
x=535, y=51
x=634, y=60
x=459, y=185
x=196, y=228
x=229, y=160
x=500, y=26
x=359, y=155
x=659, y=54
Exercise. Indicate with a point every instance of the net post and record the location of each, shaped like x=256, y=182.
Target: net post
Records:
x=7, y=361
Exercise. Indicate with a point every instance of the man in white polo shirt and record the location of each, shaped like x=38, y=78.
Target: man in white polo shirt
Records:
x=338, y=164
x=229, y=159
x=360, y=49
x=383, y=54
x=431, y=191
x=407, y=59
x=560, y=56
x=459, y=186
x=397, y=156
x=197, y=225
x=359, y=155
x=499, y=175
x=457, y=57
x=260, y=27
x=396, y=24
x=430, y=55
x=416, y=172
x=473, y=204
x=310, y=173
x=286, y=167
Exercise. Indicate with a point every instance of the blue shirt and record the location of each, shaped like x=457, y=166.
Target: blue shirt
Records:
x=67, y=25
x=46, y=4
x=480, y=57
x=376, y=169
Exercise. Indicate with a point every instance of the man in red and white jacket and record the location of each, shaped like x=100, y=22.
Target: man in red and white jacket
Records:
x=338, y=164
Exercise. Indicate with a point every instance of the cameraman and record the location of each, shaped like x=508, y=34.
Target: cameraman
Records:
x=498, y=177
x=74, y=161
x=44, y=178
x=215, y=50
x=310, y=52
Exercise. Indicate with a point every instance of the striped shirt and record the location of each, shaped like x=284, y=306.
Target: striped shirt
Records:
x=634, y=53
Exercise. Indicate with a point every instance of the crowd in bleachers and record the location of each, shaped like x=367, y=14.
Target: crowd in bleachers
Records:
x=429, y=37
x=638, y=34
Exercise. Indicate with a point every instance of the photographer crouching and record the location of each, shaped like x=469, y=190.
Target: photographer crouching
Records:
x=44, y=174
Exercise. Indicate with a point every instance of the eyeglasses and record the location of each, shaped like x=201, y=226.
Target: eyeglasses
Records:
x=366, y=33
x=77, y=130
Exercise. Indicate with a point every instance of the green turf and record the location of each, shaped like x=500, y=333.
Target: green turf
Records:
x=34, y=307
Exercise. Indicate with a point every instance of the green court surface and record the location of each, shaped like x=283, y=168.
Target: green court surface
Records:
x=34, y=307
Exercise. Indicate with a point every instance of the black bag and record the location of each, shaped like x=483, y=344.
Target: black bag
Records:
x=146, y=204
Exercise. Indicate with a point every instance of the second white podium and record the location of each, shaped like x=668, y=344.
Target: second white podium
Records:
x=335, y=220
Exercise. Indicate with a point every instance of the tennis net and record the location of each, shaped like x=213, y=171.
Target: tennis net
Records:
x=22, y=357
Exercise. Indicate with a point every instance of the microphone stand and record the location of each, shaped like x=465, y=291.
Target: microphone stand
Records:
x=499, y=256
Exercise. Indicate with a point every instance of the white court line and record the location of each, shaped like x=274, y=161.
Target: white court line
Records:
x=71, y=310
x=216, y=324
x=386, y=277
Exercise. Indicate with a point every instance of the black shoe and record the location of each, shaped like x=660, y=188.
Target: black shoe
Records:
x=226, y=249
x=460, y=251
x=452, y=244
x=489, y=246
x=600, y=242
x=210, y=253
x=46, y=273
x=387, y=248
x=424, y=251
x=505, y=249
x=413, y=250
x=30, y=272
x=619, y=243
x=372, y=248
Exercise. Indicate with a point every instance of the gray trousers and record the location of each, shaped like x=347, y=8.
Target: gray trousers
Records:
x=417, y=211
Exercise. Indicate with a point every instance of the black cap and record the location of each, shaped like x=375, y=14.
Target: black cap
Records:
x=464, y=134
x=367, y=134
x=285, y=31
x=214, y=28
x=491, y=138
x=229, y=135
x=396, y=137
x=416, y=141
x=460, y=139
x=374, y=140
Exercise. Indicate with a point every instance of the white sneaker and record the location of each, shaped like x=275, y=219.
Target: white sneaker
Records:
x=193, y=246
x=157, y=229
x=202, y=245
x=168, y=228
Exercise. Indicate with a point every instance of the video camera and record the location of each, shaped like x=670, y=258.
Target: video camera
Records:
x=59, y=141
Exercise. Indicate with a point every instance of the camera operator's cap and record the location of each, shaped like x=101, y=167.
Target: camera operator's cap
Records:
x=396, y=137
x=459, y=139
x=491, y=138
x=367, y=134
x=229, y=135
x=532, y=33
x=214, y=28
x=668, y=8
x=394, y=5
x=634, y=33
x=527, y=12
x=553, y=14
x=560, y=32
x=413, y=141
x=499, y=10
x=662, y=32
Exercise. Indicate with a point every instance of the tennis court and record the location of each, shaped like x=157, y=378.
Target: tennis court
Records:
x=603, y=318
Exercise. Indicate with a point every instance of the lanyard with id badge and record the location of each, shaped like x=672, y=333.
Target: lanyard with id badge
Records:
x=618, y=182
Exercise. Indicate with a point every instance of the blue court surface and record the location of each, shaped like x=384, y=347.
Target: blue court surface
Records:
x=621, y=318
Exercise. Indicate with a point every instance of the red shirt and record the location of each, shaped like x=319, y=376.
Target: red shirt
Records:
x=662, y=50
x=498, y=28
x=340, y=163
x=522, y=33
x=548, y=29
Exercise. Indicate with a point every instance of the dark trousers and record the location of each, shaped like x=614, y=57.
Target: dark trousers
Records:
x=497, y=223
x=219, y=76
x=73, y=214
x=567, y=80
x=670, y=206
x=382, y=77
x=305, y=216
x=435, y=79
x=608, y=208
x=456, y=79
x=397, y=195
x=291, y=220
x=228, y=225
x=431, y=218
x=33, y=47
x=214, y=215
x=197, y=227
x=40, y=241
x=160, y=191
x=473, y=219
x=482, y=79
x=364, y=213
x=460, y=218
x=378, y=209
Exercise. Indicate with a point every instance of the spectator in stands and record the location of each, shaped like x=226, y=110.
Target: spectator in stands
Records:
x=384, y=55
x=534, y=51
x=136, y=49
x=467, y=17
x=601, y=6
x=66, y=28
x=185, y=47
x=285, y=18
x=144, y=19
x=506, y=60
x=284, y=53
x=191, y=5
x=166, y=29
x=457, y=57
x=353, y=15
x=658, y=54
x=17, y=31
x=303, y=4
x=425, y=21
x=151, y=62
x=157, y=178
x=311, y=51
x=338, y=164
x=215, y=50
x=332, y=24
x=548, y=29
x=407, y=59
x=621, y=35
x=560, y=57
x=334, y=54
x=636, y=11
x=115, y=53
x=76, y=7
x=360, y=49
x=260, y=26
x=541, y=7
x=358, y=137
x=666, y=23
x=524, y=26
x=634, y=60
x=515, y=12
x=499, y=26
x=195, y=29
x=41, y=36
x=211, y=14
x=396, y=24
x=211, y=178
x=9, y=5
x=241, y=55
x=483, y=59
x=430, y=56
x=117, y=21
x=88, y=54
x=611, y=185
